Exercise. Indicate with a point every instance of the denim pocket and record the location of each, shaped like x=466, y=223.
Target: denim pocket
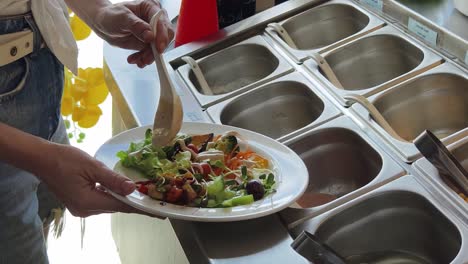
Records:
x=13, y=78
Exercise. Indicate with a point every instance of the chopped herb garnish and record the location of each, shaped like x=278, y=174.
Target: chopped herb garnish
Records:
x=244, y=172
x=230, y=182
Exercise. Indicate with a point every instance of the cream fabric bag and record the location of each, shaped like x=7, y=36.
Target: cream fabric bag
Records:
x=51, y=17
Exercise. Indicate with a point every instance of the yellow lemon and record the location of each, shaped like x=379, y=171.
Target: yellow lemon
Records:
x=91, y=117
x=67, y=106
x=78, y=113
x=79, y=28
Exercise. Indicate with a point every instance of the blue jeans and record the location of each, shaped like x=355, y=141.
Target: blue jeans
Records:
x=32, y=106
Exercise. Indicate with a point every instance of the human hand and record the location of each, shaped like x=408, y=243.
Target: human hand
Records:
x=126, y=25
x=72, y=175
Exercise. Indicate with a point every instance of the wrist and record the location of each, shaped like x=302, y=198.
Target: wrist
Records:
x=44, y=159
x=26, y=152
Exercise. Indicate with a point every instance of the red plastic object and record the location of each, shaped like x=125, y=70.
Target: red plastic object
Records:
x=197, y=19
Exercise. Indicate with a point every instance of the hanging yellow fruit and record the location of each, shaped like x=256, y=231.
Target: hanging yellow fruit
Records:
x=95, y=75
x=83, y=74
x=78, y=90
x=81, y=96
x=96, y=95
x=67, y=105
x=97, y=90
x=91, y=116
x=80, y=87
x=67, y=84
x=78, y=113
x=79, y=28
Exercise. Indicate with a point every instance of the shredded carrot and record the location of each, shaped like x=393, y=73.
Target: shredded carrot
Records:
x=216, y=138
x=244, y=155
x=234, y=163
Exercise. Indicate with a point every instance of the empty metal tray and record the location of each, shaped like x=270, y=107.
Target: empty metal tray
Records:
x=325, y=27
x=436, y=100
x=279, y=109
x=235, y=69
x=375, y=62
x=397, y=223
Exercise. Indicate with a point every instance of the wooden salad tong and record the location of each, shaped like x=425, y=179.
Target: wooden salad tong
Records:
x=169, y=115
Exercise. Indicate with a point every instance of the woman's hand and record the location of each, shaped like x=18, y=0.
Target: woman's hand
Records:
x=72, y=175
x=77, y=180
x=126, y=25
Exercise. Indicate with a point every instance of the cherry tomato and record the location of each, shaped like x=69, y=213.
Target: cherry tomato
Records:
x=231, y=176
x=206, y=168
x=217, y=171
x=143, y=189
x=193, y=147
x=178, y=181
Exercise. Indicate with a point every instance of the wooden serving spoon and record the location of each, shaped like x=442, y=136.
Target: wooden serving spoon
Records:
x=169, y=115
x=376, y=115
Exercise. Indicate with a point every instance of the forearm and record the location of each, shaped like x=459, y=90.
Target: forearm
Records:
x=87, y=9
x=23, y=150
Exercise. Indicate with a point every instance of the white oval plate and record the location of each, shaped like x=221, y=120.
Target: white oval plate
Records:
x=291, y=176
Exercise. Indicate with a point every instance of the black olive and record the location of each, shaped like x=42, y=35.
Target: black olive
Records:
x=255, y=188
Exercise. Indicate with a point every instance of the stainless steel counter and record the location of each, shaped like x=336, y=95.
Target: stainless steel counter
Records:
x=442, y=13
x=267, y=239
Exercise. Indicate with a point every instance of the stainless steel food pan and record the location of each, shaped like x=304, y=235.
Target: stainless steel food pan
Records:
x=280, y=109
x=325, y=27
x=397, y=223
x=436, y=100
x=235, y=69
x=342, y=163
x=375, y=62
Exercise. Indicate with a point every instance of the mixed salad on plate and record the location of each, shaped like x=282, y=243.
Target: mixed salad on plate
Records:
x=201, y=170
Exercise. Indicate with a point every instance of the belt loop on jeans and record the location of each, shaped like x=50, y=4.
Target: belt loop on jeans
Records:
x=38, y=41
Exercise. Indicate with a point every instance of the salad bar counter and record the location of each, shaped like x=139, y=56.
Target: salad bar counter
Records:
x=316, y=76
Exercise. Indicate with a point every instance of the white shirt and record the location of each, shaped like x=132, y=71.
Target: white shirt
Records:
x=51, y=17
x=14, y=7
